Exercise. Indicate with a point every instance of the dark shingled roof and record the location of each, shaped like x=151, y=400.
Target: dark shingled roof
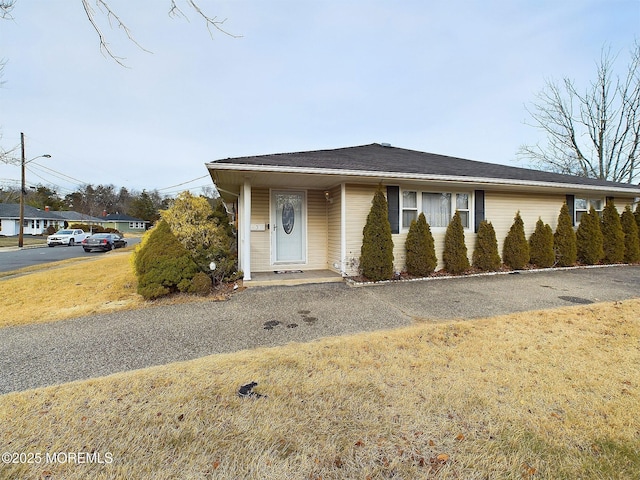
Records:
x=383, y=158
x=12, y=210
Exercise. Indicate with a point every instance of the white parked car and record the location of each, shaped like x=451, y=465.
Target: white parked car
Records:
x=68, y=237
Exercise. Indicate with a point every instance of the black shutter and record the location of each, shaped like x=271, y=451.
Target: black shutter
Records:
x=571, y=203
x=610, y=200
x=393, y=202
x=479, y=208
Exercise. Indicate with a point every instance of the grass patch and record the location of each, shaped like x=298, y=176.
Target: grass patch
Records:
x=65, y=289
x=27, y=240
x=550, y=394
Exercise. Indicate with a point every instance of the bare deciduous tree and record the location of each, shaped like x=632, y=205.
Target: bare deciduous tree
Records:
x=592, y=134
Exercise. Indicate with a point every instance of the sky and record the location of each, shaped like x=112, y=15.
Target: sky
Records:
x=451, y=77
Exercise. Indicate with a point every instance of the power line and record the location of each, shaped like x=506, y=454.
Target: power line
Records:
x=80, y=182
x=183, y=183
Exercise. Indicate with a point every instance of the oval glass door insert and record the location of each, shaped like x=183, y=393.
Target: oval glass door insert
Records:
x=288, y=217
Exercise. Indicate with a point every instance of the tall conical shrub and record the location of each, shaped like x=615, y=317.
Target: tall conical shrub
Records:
x=564, y=240
x=589, y=238
x=612, y=234
x=421, y=253
x=541, y=246
x=631, y=238
x=455, y=257
x=376, y=253
x=515, y=251
x=485, y=255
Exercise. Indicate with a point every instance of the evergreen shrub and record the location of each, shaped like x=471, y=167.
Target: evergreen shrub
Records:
x=201, y=284
x=485, y=256
x=612, y=234
x=631, y=238
x=162, y=264
x=420, y=249
x=541, y=251
x=455, y=257
x=564, y=240
x=515, y=251
x=376, y=253
x=589, y=239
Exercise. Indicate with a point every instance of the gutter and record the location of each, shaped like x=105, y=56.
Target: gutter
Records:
x=417, y=176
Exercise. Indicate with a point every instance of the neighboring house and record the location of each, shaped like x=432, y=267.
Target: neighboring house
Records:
x=307, y=210
x=36, y=221
x=70, y=217
x=124, y=223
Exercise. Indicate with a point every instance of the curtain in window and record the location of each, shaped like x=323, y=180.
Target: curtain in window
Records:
x=437, y=208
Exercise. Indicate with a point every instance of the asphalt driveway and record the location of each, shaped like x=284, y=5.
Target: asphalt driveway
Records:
x=45, y=354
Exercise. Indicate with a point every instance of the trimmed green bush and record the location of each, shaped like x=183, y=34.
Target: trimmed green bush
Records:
x=564, y=240
x=612, y=234
x=631, y=238
x=589, y=238
x=421, y=252
x=541, y=252
x=485, y=255
x=162, y=264
x=455, y=257
x=201, y=284
x=515, y=251
x=376, y=253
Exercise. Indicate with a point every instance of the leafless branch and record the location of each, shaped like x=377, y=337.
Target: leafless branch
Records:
x=5, y=8
x=115, y=20
x=210, y=21
x=595, y=133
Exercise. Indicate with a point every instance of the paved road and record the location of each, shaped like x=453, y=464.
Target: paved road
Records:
x=38, y=355
x=14, y=259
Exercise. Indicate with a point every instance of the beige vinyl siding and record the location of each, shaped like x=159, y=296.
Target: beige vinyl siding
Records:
x=317, y=232
x=359, y=200
x=260, y=247
x=334, y=227
x=501, y=208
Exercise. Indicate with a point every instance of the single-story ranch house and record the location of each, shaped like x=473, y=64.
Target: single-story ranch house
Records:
x=125, y=223
x=36, y=221
x=306, y=210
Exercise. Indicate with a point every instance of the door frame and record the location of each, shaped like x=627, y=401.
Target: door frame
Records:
x=272, y=217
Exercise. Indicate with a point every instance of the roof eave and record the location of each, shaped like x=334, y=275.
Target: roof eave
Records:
x=420, y=177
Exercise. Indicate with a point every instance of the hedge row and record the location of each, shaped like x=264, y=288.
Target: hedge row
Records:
x=611, y=239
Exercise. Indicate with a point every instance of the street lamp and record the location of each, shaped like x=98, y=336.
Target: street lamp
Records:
x=23, y=188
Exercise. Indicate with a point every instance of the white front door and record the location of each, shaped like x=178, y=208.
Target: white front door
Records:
x=288, y=214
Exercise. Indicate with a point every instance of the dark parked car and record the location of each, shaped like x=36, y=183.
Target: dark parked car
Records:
x=103, y=242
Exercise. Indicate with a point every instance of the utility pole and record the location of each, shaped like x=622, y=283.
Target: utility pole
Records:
x=22, y=192
x=23, y=189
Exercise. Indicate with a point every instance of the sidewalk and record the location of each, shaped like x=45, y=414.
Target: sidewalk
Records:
x=45, y=354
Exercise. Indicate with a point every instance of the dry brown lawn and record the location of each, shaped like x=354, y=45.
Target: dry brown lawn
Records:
x=544, y=395
x=67, y=289
x=27, y=240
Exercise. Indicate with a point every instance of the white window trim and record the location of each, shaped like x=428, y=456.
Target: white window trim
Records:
x=408, y=209
x=589, y=201
x=454, y=193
